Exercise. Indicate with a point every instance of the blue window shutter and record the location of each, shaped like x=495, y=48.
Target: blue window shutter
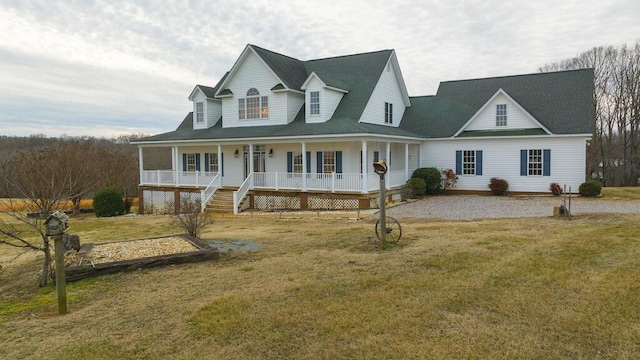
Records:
x=289, y=161
x=339, y=162
x=458, y=162
x=206, y=162
x=523, y=162
x=479, y=162
x=309, y=162
x=184, y=162
x=222, y=164
x=546, y=162
x=319, y=162
x=198, y=162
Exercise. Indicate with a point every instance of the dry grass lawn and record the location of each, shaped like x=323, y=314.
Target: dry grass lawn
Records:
x=318, y=289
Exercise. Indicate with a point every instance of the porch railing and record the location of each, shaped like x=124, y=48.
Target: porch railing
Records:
x=179, y=178
x=242, y=191
x=209, y=191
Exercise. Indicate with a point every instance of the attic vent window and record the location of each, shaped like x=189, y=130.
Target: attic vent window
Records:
x=501, y=115
x=253, y=106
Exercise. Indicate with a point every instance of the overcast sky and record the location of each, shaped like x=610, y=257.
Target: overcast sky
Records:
x=105, y=68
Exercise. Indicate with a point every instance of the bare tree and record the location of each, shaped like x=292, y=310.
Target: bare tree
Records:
x=41, y=189
x=614, y=152
x=191, y=219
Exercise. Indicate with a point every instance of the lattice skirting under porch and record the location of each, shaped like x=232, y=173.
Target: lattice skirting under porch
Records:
x=165, y=201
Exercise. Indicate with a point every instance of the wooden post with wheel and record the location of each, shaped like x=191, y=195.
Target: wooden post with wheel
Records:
x=380, y=168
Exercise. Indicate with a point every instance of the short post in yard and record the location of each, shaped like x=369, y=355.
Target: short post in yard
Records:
x=380, y=168
x=56, y=225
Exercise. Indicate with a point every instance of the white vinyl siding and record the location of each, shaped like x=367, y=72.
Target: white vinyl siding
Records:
x=328, y=101
x=253, y=73
x=487, y=118
x=387, y=90
x=501, y=158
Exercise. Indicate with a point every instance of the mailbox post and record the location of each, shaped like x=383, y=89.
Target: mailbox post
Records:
x=56, y=225
x=380, y=168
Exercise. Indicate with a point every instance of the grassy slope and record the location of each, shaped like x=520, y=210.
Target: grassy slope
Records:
x=526, y=288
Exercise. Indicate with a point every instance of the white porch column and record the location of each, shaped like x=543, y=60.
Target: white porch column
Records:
x=175, y=165
x=304, y=166
x=250, y=159
x=406, y=162
x=141, y=163
x=365, y=167
x=220, y=163
x=388, y=160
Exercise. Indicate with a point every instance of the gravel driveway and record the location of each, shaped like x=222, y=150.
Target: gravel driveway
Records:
x=468, y=207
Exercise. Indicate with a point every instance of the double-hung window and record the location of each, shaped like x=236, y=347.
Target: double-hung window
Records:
x=314, y=103
x=297, y=163
x=535, y=162
x=190, y=162
x=388, y=113
x=469, y=162
x=501, y=115
x=329, y=162
x=211, y=162
x=253, y=106
x=199, y=112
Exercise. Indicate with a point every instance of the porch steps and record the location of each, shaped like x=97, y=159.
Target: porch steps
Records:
x=222, y=202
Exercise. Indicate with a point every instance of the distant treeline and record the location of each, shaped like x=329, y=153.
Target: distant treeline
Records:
x=100, y=162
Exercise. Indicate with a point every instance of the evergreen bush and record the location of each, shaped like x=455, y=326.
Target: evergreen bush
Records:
x=432, y=179
x=415, y=187
x=108, y=202
x=590, y=188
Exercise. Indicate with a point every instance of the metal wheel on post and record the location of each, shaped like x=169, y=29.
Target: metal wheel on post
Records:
x=393, y=230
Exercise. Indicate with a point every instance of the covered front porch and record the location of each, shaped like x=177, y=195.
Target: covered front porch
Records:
x=322, y=168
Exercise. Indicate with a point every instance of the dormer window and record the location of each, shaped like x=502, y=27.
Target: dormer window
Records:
x=314, y=103
x=501, y=115
x=199, y=112
x=253, y=106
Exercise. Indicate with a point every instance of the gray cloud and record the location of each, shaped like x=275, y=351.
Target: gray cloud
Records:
x=109, y=67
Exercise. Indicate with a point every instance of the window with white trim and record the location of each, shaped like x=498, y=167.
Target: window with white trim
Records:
x=388, y=113
x=191, y=162
x=213, y=162
x=535, y=162
x=314, y=103
x=501, y=115
x=329, y=162
x=469, y=162
x=199, y=112
x=297, y=163
x=253, y=106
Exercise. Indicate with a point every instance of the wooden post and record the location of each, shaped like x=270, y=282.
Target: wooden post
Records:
x=61, y=284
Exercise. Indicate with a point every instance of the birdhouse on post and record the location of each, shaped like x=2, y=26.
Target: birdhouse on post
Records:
x=56, y=225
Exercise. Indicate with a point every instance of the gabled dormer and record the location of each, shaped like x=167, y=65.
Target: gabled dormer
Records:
x=262, y=89
x=501, y=113
x=390, y=98
x=207, y=110
x=322, y=96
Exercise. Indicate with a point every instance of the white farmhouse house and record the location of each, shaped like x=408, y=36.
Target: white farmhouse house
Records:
x=277, y=132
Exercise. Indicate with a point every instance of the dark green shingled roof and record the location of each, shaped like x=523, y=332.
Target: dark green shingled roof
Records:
x=296, y=128
x=560, y=101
